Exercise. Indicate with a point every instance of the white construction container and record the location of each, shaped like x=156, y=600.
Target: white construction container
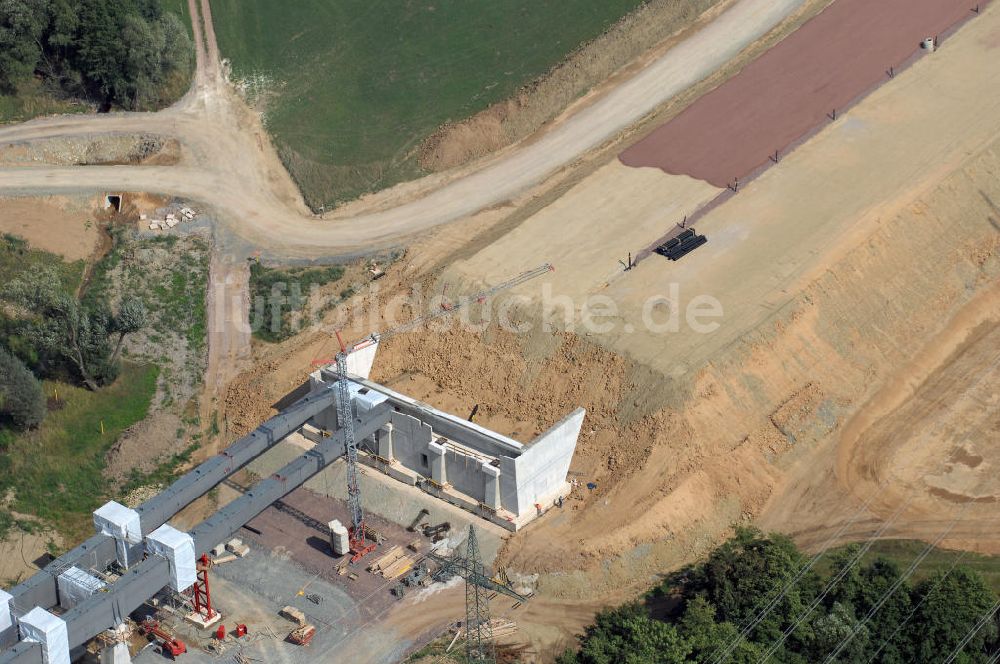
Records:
x=178, y=549
x=339, y=539
x=75, y=585
x=42, y=627
x=115, y=520
x=6, y=619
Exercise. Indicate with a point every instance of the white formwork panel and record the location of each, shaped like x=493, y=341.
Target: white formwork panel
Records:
x=116, y=520
x=6, y=619
x=361, y=360
x=366, y=400
x=75, y=585
x=178, y=549
x=42, y=627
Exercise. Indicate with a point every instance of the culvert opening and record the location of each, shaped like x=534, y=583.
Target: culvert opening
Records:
x=113, y=201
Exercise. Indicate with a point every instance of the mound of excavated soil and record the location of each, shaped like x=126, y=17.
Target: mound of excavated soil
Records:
x=144, y=149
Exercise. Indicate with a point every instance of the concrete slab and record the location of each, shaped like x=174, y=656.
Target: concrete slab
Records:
x=386, y=497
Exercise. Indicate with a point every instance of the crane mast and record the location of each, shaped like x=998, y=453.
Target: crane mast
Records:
x=345, y=417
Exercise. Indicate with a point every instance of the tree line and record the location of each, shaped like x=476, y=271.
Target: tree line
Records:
x=113, y=52
x=871, y=615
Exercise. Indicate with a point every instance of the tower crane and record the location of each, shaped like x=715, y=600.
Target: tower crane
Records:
x=359, y=545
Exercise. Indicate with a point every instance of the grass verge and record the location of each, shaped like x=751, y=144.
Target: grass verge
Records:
x=55, y=471
x=279, y=297
x=32, y=100
x=179, y=7
x=350, y=89
x=17, y=257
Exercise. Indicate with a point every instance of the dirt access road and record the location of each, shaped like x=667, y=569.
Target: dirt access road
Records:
x=229, y=164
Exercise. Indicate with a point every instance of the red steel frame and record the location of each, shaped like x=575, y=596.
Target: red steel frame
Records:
x=200, y=591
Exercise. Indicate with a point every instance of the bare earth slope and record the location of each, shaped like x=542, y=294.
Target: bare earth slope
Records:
x=834, y=269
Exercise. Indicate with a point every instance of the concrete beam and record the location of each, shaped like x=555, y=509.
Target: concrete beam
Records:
x=99, y=550
x=106, y=610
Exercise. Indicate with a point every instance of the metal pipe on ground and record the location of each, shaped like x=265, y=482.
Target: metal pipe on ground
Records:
x=104, y=610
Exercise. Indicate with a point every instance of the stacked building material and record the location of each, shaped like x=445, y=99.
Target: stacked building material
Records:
x=390, y=557
x=339, y=538
x=677, y=247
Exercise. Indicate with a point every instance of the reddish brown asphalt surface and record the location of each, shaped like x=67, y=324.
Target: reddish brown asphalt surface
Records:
x=790, y=89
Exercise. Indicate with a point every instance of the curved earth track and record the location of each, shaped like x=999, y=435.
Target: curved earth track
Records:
x=230, y=165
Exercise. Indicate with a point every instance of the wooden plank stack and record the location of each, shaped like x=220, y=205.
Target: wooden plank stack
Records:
x=394, y=563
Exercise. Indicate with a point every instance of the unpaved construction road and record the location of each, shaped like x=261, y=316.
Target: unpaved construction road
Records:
x=230, y=165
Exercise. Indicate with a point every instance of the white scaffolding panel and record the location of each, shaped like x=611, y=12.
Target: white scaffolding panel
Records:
x=42, y=627
x=178, y=549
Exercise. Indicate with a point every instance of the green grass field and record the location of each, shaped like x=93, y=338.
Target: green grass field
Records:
x=360, y=84
x=55, y=471
x=179, y=7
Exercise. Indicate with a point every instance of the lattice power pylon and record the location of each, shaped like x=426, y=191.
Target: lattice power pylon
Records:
x=478, y=630
x=478, y=587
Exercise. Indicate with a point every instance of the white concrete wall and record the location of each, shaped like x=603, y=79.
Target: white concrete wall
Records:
x=411, y=438
x=465, y=474
x=529, y=474
x=541, y=471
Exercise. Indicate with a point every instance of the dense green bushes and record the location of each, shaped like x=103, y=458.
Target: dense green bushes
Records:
x=280, y=297
x=871, y=614
x=126, y=53
x=21, y=399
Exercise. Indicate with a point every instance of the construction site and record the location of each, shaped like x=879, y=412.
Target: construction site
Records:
x=153, y=580
x=753, y=279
